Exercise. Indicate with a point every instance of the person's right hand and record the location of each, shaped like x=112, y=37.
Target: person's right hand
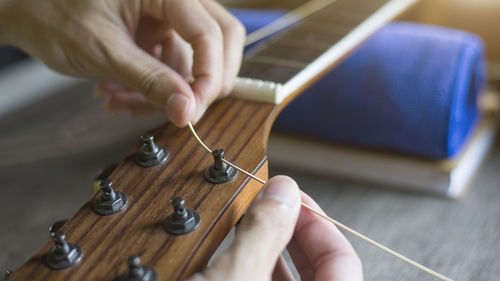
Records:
x=318, y=249
x=174, y=56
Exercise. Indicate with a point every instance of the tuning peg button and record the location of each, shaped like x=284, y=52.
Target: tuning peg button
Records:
x=57, y=225
x=182, y=221
x=151, y=154
x=220, y=172
x=63, y=254
x=111, y=201
x=104, y=174
x=137, y=272
x=6, y=275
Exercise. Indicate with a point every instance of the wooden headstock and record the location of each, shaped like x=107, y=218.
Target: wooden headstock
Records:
x=241, y=128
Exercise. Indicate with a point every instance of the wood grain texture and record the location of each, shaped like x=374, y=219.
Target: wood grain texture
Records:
x=240, y=127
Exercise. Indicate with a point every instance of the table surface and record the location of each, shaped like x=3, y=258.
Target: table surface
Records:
x=51, y=151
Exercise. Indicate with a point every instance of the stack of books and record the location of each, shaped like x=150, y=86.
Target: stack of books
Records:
x=450, y=178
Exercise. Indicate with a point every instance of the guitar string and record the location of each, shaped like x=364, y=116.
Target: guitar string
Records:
x=335, y=222
x=287, y=19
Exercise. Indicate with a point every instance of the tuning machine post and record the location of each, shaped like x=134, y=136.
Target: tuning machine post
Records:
x=103, y=175
x=182, y=221
x=55, y=227
x=151, y=154
x=220, y=172
x=137, y=272
x=110, y=202
x=6, y=275
x=63, y=254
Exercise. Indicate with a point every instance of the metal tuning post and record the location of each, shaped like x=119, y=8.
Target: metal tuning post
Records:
x=63, y=254
x=6, y=275
x=220, y=172
x=137, y=272
x=55, y=227
x=104, y=175
x=182, y=221
x=151, y=154
x=111, y=201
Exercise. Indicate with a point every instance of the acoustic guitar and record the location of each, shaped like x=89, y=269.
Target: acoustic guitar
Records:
x=168, y=205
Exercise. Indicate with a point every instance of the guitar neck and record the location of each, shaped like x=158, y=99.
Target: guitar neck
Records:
x=290, y=61
x=299, y=55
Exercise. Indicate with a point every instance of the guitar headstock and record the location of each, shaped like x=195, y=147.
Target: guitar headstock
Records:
x=133, y=214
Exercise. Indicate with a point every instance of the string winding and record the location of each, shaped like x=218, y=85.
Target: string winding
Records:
x=335, y=222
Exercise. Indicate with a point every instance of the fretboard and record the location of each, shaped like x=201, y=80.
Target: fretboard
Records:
x=298, y=55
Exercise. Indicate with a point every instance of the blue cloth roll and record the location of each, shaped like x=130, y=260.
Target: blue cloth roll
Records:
x=411, y=88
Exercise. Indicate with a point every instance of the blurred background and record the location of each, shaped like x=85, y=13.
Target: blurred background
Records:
x=55, y=138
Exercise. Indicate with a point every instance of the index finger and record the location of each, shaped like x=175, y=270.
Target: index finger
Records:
x=195, y=25
x=319, y=250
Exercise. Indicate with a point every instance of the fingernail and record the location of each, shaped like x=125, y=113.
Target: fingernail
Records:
x=176, y=106
x=282, y=193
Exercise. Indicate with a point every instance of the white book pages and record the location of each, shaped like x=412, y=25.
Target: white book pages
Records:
x=449, y=178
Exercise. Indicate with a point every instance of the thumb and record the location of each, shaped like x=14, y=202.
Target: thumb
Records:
x=264, y=232
x=162, y=86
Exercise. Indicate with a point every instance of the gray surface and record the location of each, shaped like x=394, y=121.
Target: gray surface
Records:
x=50, y=152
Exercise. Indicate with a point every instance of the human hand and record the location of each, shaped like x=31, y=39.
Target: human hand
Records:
x=151, y=49
x=318, y=249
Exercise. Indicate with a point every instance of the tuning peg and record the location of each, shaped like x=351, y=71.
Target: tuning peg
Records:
x=220, y=172
x=111, y=201
x=137, y=272
x=151, y=154
x=182, y=221
x=103, y=175
x=6, y=275
x=63, y=254
x=57, y=225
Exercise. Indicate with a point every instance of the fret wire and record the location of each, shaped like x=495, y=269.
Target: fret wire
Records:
x=335, y=222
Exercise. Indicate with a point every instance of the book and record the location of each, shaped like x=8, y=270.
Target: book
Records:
x=450, y=178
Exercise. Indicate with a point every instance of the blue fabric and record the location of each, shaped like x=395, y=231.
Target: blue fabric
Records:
x=411, y=88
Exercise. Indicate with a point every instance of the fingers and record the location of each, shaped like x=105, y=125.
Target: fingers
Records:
x=233, y=33
x=263, y=233
x=197, y=27
x=320, y=251
x=106, y=87
x=162, y=86
x=178, y=55
x=120, y=98
x=202, y=43
x=216, y=38
x=281, y=271
x=132, y=102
